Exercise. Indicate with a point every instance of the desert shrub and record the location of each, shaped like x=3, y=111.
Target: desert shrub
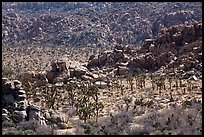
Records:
x=21, y=132
x=89, y=127
x=8, y=123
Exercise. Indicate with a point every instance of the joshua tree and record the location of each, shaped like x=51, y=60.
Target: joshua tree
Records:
x=127, y=100
x=153, y=81
x=180, y=81
x=50, y=94
x=138, y=101
x=83, y=107
x=140, y=81
x=98, y=106
x=184, y=90
x=171, y=96
x=122, y=89
x=27, y=86
x=70, y=88
x=160, y=82
x=189, y=85
x=176, y=83
x=143, y=77
x=170, y=81
x=52, y=97
x=84, y=103
x=121, y=80
x=130, y=82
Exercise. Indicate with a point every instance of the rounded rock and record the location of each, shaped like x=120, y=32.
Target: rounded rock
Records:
x=5, y=111
x=21, y=97
x=5, y=117
x=21, y=92
x=8, y=99
x=18, y=116
x=21, y=105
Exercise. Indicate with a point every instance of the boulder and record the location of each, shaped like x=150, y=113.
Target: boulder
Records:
x=95, y=76
x=50, y=76
x=58, y=79
x=59, y=66
x=21, y=92
x=8, y=86
x=150, y=60
x=118, y=47
x=186, y=48
x=5, y=111
x=164, y=48
x=86, y=78
x=177, y=37
x=140, y=62
x=93, y=61
x=28, y=75
x=21, y=97
x=8, y=99
x=71, y=131
x=19, y=116
x=101, y=84
x=188, y=74
x=153, y=49
x=40, y=75
x=102, y=59
x=22, y=105
x=33, y=112
x=79, y=71
x=5, y=117
x=4, y=80
x=193, y=78
x=17, y=84
x=117, y=55
x=122, y=70
x=39, y=83
x=127, y=50
x=165, y=58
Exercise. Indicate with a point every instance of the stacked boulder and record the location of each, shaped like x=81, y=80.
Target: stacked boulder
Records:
x=58, y=73
x=15, y=106
x=14, y=100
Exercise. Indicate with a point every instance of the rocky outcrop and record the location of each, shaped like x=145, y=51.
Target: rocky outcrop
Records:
x=15, y=105
x=120, y=54
x=37, y=78
x=171, y=49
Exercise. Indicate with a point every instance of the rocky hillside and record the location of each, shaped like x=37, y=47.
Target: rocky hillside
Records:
x=178, y=48
x=92, y=23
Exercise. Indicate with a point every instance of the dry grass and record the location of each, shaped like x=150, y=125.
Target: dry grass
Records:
x=38, y=58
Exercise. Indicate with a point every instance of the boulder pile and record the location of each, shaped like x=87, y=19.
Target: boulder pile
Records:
x=15, y=106
x=178, y=47
x=61, y=71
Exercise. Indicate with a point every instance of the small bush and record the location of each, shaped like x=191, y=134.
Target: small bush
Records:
x=8, y=123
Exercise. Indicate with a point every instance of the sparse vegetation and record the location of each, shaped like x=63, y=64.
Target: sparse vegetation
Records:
x=108, y=90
